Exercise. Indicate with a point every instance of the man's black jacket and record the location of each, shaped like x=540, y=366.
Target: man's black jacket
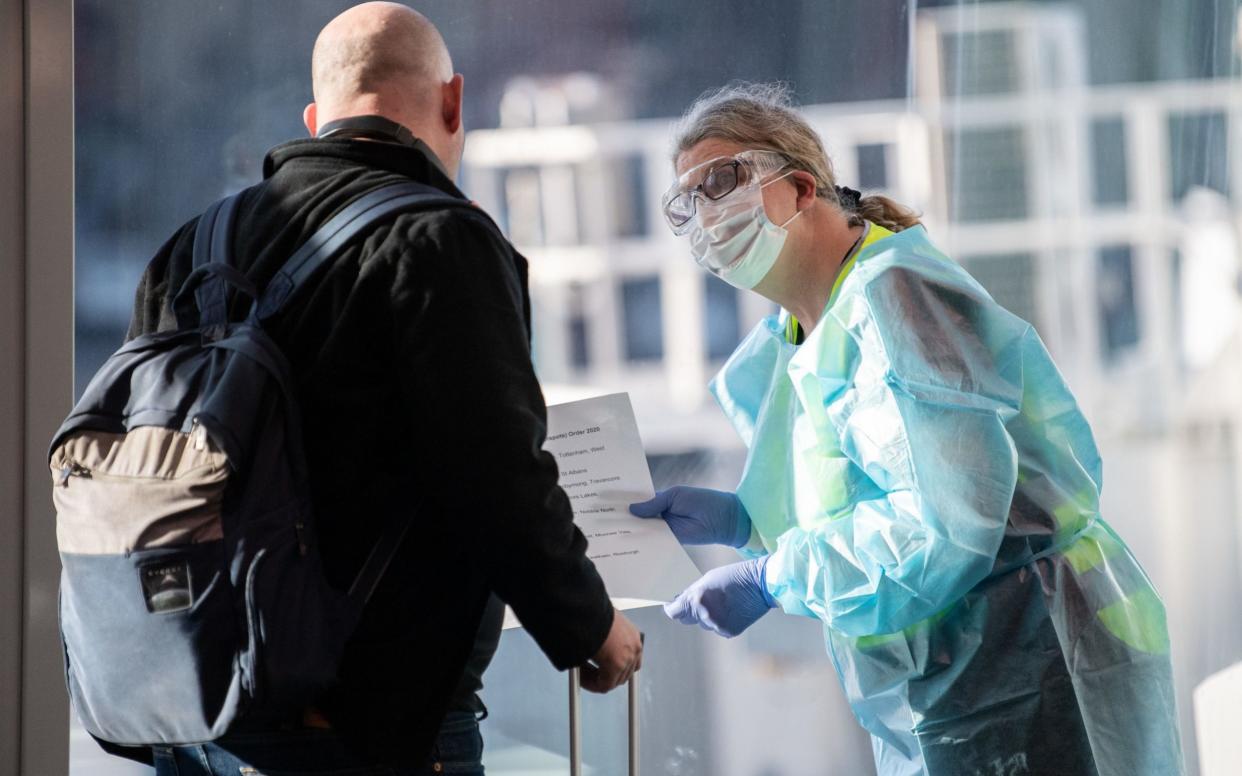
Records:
x=412, y=365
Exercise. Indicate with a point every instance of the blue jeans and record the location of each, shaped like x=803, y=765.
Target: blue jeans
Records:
x=458, y=750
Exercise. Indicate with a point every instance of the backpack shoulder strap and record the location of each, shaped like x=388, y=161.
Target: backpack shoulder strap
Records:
x=356, y=218
x=212, y=244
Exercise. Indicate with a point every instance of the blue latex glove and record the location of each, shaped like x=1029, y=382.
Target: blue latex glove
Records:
x=699, y=515
x=726, y=600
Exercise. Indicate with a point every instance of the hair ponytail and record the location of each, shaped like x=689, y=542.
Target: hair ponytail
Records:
x=885, y=212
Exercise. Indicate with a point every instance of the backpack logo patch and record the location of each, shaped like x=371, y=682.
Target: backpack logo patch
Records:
x=166, y=587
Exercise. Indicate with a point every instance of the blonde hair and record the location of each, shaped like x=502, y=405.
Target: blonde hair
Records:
x=762, y=116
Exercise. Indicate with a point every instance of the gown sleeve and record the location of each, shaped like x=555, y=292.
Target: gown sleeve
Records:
x=937, y=376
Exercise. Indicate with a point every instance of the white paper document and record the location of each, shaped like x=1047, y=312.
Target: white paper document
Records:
x=603, y=471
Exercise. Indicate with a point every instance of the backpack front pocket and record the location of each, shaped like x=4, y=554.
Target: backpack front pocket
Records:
x=151, y=487
x=152, y=643
x=148, y=617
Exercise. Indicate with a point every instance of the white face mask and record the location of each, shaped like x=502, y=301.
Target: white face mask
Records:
x=734, y=238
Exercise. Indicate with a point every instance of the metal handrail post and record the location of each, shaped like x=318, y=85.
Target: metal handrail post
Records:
x=575, y=722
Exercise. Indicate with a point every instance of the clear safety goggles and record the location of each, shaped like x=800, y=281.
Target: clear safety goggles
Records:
x=714, y=180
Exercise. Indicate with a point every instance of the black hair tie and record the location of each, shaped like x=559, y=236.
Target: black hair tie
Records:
x=849, y=198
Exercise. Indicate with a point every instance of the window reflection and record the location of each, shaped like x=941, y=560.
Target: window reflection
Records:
x=1119, y=317
x=1011, y=280
x=721, y=319
x=579, y=331
x=1110, y=177
x=1199, y=151
x=989, y=174
x=873, y=166
x=643, y=326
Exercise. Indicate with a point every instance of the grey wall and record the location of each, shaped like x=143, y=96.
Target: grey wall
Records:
x=11, y=334
x=36, y=377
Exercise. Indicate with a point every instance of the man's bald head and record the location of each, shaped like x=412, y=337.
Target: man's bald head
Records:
x=374, y=49
x=388, y=59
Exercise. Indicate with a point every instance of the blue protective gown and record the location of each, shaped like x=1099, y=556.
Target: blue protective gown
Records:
x=928, y=487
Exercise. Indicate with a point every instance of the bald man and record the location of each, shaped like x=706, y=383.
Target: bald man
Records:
x=411, y=357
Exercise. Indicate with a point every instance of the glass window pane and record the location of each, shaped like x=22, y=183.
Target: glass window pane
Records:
x=523, y=206
x=721, y=321
x=1011, y=281
x=1119, y=314
x=987, y=174
x=642, y=320
x=873, y=166
x=980, y=62
x=627, y=194
x=579, y=328
x=1199, y=152
x=1110, y=179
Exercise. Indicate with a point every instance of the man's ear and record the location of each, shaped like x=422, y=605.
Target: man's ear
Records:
x=451, y=103
x=310, y=119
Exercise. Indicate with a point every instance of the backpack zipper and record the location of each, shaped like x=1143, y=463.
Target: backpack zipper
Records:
x=72, y=469
x=198, y=435
x=198, y=440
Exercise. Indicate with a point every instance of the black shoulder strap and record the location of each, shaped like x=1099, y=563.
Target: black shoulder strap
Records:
x=213, y=266
x=212, y=238
x=381, y=555
x=357, y=217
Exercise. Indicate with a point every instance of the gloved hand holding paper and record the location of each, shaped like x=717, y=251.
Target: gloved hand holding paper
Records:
x=603, y=470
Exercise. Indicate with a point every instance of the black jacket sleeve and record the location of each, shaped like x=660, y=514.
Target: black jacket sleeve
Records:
x=153, y=297
x=465, y=368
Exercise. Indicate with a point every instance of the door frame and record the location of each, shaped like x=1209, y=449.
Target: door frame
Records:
x=36, y=370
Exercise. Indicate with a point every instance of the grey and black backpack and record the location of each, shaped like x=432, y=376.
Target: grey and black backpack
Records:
x=192, y=597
